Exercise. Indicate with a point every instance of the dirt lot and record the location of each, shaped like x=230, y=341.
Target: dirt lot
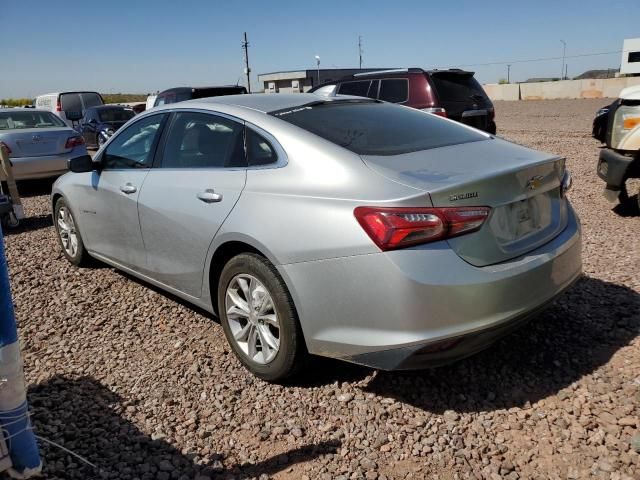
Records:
x=145, y=387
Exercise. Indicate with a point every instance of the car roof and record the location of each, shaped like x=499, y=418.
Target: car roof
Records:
x=70, y=91
x=263, y=102
x=212, y=87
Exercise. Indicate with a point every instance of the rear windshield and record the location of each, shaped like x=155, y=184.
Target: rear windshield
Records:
x=21, y=119
x=79, y=101
x=217, y=92
x=456, y=87
x=375, y=128
x=115, y=115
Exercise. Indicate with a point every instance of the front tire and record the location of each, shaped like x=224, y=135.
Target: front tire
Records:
x=259, y=319
x=68, y=234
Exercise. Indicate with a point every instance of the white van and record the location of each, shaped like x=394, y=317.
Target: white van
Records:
x=151, y=100
x=69, y=106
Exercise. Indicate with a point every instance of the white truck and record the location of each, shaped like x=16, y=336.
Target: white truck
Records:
x=620, y=131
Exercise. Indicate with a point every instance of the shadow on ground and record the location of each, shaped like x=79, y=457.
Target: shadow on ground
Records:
x=30, y=224
x=35, y=188
x=81, y=415
x=574, y=337
x=628, y=209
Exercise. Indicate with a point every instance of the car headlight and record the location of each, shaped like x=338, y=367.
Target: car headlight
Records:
x=627, y=117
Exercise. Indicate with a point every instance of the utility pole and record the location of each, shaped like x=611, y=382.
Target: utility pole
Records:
x=566, y=71
x=508, y=73
x=318, y=67
x=564, y=50
x=247, y=70
x=360, y=49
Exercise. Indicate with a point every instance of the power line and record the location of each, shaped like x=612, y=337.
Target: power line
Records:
x=540, y=59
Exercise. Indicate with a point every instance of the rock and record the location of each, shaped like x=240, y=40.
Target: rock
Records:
x=345, y=397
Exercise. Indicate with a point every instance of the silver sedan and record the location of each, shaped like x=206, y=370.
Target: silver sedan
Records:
x=343, y=227
x=39, y=143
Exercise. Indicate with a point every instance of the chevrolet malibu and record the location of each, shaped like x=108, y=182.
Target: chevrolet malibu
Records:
x=344, y=227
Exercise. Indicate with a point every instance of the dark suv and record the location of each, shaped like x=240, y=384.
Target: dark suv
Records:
x=453, y=93
x=180, y=94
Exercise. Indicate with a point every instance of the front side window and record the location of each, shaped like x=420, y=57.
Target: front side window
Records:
x=259, y=149
x=25, y=119
x=134, y=147
x=367, y=127
x=394, y=90
x=202, y=140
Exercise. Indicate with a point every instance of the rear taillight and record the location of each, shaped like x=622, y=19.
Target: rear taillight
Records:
x=492, y=113
x=392, y=228
x=74, y=141
x=441, y=112
x=58, y=106
x=4, y=145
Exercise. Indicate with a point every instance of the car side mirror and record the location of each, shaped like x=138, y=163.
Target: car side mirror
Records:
x=93, y=121
x=81, y=164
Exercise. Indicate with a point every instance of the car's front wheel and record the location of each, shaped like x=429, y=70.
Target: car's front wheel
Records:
x=259, y=319
x=68, y=234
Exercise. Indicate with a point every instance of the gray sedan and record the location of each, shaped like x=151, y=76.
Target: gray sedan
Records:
x=343, y=227
x=39, y=143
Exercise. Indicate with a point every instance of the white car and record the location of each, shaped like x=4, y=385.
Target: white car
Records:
x=69, y=106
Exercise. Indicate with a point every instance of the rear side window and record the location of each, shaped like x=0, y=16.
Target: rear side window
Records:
x=374, y=128
x=201, y=140
x=394, y=90
x=259, y=149
x=458, y=87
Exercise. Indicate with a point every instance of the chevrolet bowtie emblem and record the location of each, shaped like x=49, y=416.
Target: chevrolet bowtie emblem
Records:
x=535, y=182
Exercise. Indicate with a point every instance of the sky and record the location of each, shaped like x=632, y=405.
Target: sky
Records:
x=141, y=46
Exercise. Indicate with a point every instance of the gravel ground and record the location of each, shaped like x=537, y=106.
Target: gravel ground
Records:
x=144, y=386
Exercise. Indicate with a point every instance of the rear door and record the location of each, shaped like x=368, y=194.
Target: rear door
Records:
x=109, y=215
x=460, y=94
x=200, y=173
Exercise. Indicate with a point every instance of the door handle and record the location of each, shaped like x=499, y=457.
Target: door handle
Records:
x=128, y=188
x=209, y=196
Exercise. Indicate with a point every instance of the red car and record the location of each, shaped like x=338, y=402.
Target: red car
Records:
x=452, y=93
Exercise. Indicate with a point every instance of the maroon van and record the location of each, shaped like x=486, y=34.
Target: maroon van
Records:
x=452, y=93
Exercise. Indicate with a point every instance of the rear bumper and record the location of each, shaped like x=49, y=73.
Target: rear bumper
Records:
x=613, y=168
x=27, y=168
x=394, y=310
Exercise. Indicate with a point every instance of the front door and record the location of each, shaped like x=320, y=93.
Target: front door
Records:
x=110, y=213
x=198, y=178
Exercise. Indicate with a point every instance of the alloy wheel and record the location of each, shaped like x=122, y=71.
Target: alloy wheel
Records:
x=252, y=318
x=67, y=231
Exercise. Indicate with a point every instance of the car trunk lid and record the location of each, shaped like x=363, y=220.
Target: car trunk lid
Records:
x=521, y=186
x=38, y=142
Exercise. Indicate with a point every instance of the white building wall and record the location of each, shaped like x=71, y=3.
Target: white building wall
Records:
x=631, y=47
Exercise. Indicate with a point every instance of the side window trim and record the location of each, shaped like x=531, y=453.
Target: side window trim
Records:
x=154, y=147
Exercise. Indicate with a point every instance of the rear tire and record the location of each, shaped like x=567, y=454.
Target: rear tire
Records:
x=259, y=319
x=68, y=234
